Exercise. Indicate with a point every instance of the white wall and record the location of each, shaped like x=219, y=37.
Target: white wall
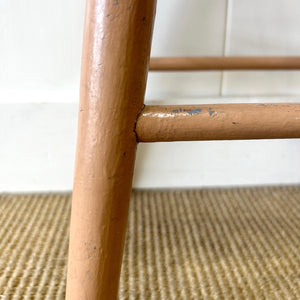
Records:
x=40, y=47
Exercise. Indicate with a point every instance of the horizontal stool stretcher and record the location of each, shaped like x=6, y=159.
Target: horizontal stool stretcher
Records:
x=211, y=63
x=167, y=123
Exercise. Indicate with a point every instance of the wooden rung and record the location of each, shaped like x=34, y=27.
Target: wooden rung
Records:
x=218, y=122
x=224, y=63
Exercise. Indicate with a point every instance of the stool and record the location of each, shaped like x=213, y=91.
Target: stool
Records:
x=113, y=120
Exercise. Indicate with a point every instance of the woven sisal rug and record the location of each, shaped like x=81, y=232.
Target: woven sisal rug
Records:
x=195, y=244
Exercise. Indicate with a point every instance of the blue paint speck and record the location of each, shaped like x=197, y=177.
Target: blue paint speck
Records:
x=210, y=111
x=95, y=248
x=194, y=111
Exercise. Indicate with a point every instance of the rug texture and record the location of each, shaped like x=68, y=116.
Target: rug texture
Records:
x=195, y=244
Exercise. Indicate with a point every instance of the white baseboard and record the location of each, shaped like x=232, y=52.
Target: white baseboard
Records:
x=38, y=146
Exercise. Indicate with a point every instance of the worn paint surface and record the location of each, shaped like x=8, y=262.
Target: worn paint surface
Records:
x=218, y=122
x=190, y=112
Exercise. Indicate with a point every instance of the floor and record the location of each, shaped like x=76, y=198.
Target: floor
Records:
x=241, y=243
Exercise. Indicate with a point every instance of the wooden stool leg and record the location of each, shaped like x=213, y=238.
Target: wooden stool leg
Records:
x=116, y=51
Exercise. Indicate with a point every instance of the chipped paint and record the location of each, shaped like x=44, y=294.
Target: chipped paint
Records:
x=211, y=111
x=190, y=111
x=194, y=111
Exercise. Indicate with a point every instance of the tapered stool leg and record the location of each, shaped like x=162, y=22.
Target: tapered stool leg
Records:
x=116, y=50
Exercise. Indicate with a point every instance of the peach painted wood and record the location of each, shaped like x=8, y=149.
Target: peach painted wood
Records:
x=218, y=122
x=115, y=58
x=224, y=63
